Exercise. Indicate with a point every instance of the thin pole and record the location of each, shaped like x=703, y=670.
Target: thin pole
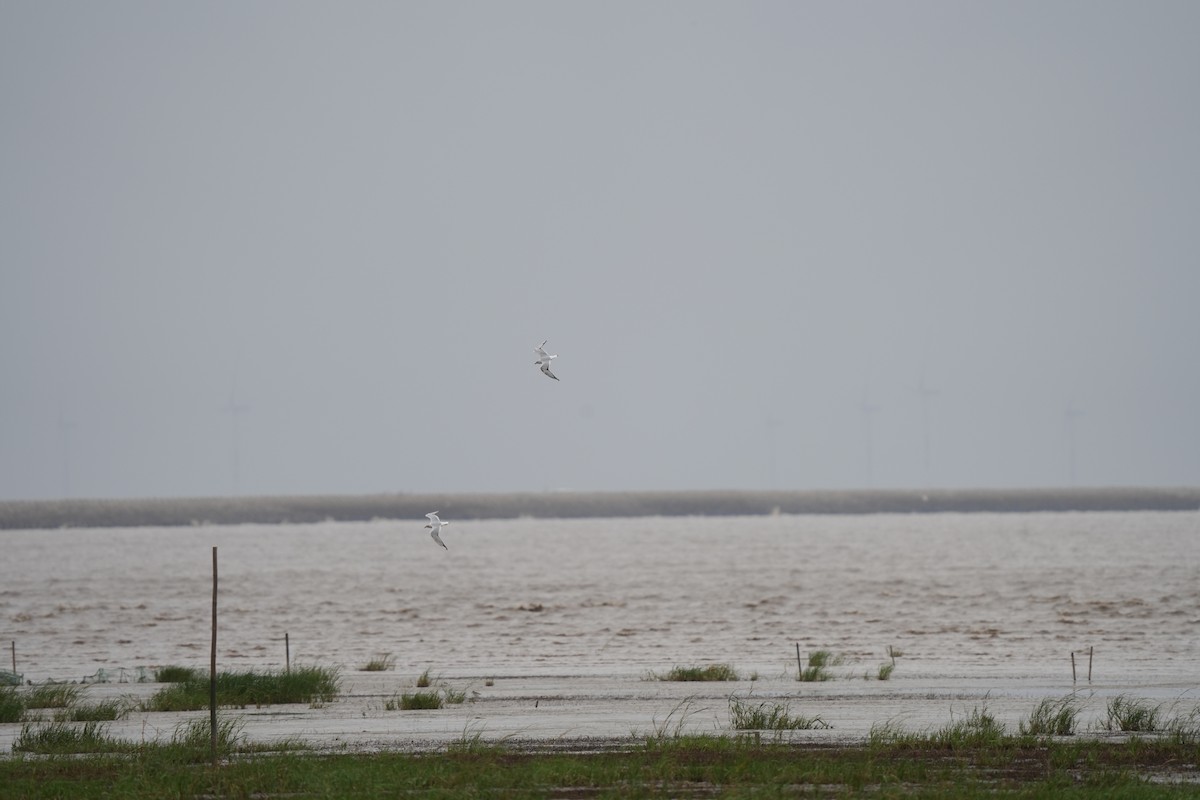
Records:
x=1072, y=666
x=287, y=654
x=1091, y=648
x=14, y=651
x=212, y=667
x=799, y=663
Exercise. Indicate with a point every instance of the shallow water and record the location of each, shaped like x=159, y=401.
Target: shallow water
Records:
x=1008, y=595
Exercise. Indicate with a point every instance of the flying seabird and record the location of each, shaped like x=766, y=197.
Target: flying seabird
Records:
x=544, y=360
x=436, y=524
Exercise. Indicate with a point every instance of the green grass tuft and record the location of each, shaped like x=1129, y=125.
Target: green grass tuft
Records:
x=62, y=738
x=12, y=704
x=425, y=680
x=52, y=695
x=885, y=671
x=192, y=739
x=1184, y=729
x=769, y=717
x=242, y=689
x=1053, y=717
x=978, y=729
x=104, y=711
x=380, y=663
x=712, y=672
x=173, y=674
x=819, y=662
x=415, y=701
x=1132, y=715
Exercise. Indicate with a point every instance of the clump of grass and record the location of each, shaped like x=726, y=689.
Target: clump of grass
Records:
x=819, y=662
x=671, y=728
x=241, y=689
x=889, y=733
x=979, y=728
x=413, y=701
x=712, y=672
x=425, y=680
x=104, y=711
x=472, y=742
x=885, y=671
x=769, y=717
x=380, y=663
x=173, y=674
x=1184, y=729
x=1132, y=715
x=12, y=704
x=456, y=697
x=52, y=695
x=193, y=738
x=62, y=738
x=1053, y=717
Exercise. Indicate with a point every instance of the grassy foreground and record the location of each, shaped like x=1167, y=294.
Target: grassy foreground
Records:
x=706, y=766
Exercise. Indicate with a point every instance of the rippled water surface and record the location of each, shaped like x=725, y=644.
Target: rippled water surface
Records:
x=1005, y=594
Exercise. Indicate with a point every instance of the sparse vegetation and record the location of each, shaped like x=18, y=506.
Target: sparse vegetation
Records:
x=241, y=689
x=472, y=742
x=978, y=729
x=671, y=728
x=193, y=738
x=767, y=716
x=425, y=679
x=173, y=674
x=380, y=663
x=680, y=766
x=819, y=662
x=52, y=695
x=1184, y=729
x=63, y=738
x=1053, y=717
x=885, y=671
x=190, y=743
x=1125, y=713
x=413, y=701
x=104, y=711
x=12, y=705
x=711, y=672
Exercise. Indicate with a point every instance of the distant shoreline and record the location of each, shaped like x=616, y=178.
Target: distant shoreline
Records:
x=166, y=512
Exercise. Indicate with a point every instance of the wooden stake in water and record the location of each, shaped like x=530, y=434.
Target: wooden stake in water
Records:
x=14, y=649
x=212, y=668
x=287, y=654
x=799, y=663
x=1072, y=666
x=1090, y=649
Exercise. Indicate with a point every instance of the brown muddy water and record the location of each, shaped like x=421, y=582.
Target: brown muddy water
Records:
x=552, y=627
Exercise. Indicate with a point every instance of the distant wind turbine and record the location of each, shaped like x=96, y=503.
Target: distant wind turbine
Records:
x=65, y=430
x=772, y=424
x=1070, y=415
x=235, y=410
x=926, y=394
x=868, y=410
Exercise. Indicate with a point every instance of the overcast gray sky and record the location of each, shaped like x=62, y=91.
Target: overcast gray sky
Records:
x=775, y=245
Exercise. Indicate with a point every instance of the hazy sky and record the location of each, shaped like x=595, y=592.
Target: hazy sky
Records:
x=775, y=245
